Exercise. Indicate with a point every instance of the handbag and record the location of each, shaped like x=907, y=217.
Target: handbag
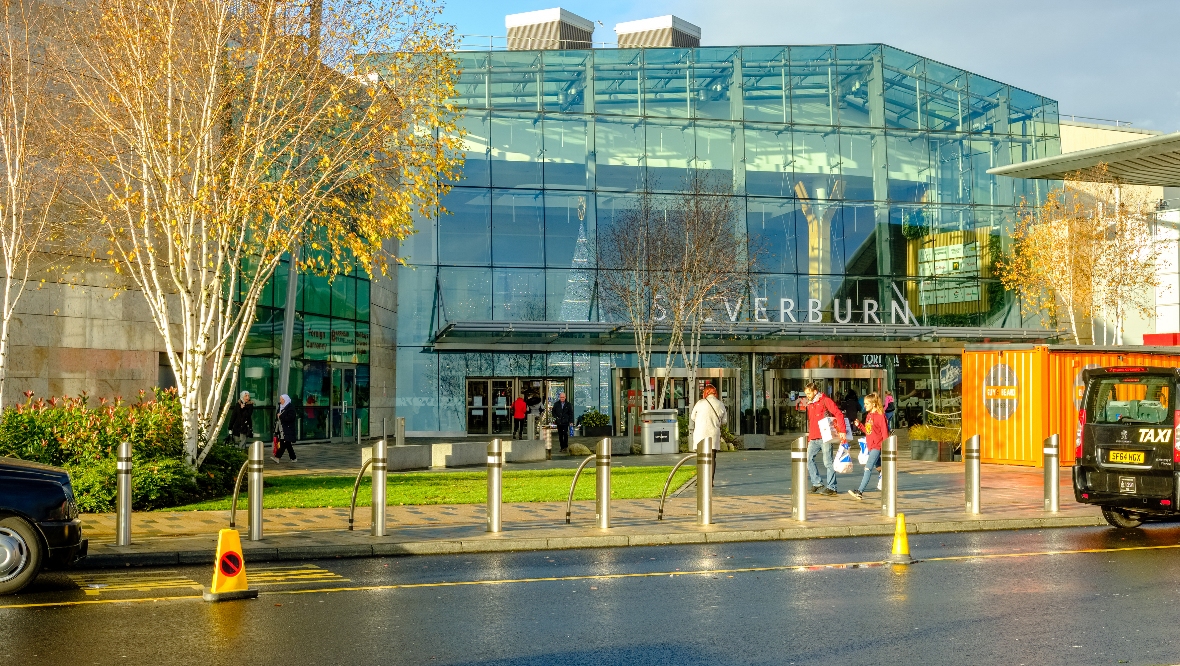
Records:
x=274, y=447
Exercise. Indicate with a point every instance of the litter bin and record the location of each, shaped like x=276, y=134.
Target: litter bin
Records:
x=661, y=432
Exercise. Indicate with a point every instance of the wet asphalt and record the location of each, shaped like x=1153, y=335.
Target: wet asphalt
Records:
x=998, y=600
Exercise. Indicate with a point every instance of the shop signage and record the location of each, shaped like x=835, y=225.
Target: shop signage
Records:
x=842, y=311
x=1001, y=392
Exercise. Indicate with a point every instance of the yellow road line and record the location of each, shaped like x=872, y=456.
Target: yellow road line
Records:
x=652, y=574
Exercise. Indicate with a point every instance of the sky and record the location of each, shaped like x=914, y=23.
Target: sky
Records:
x=1098, y=58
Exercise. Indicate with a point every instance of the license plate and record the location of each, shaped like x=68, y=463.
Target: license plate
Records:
x=1126, y=457
x=1126, y=484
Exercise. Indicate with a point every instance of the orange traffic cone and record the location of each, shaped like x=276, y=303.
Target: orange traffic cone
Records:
x=901, y=543
x=229, y=570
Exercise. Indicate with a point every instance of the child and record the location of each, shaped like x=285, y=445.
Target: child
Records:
x=876, y=430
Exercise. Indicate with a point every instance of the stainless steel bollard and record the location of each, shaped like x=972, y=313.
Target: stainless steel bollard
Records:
x=1053, y=473
x=705, y=482
x=380, y=468
x=799, y=479
x=889, y=476
x=602, y=484
x=399, y=431
x=123, y=506
x=971, y=474
x=532, y=424
x=547, y=436
x=495, y=483
x=255, y=491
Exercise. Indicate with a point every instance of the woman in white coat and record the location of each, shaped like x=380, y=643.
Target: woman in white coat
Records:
x=705, y=422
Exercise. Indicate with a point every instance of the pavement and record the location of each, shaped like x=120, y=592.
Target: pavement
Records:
x=751, y=503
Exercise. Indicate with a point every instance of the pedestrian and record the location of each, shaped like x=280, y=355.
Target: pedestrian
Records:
x=890, y=408
x=876, y=430
x=850, y=405
x=241, y=420
x=519, y=411
x=705, y=422
x=286, y=428
x=563, y=417
x=819, y=405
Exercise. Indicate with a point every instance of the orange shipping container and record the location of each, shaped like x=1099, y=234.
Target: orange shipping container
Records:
x=1015, y=396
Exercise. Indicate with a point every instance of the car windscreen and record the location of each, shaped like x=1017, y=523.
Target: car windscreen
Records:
x=1130, y=399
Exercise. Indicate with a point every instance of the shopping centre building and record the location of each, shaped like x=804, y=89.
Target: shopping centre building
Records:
x=861, y=169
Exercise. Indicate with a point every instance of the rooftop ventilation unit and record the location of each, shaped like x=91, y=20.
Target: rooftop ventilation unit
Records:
x=548, y=29
x=659, y=31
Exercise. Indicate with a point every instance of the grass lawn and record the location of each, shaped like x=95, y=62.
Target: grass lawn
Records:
x=550, y=485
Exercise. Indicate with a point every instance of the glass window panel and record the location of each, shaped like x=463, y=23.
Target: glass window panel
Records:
x=265, y=332
x=764, y=84
x=619, y=154
x=903, y=80
x=617, y=73
x=317, y=337
x=1049, y=119
x=344, y=297
x=564, y=80
x=516, y=151
x=471, y=88
x=771, y=227
x=518, y=228
x=465, y=294
x=715, y=148
x=516, y=79
x=986, y=188
x=419, y=247
x=476, y=149
x=570, y=229
x=518, y=294
x=415, y=304
x=452, y=391
x=566, y=151
x=464, y=236
x=1023, y=108
x=712, y=78
x=950, y=159
x=418, y=389
x=768, y=160
x=908, y=226
x=909, y=166
x=612, y=210
x=817, y=164
x=988, y=110
x=568, y=294
x=855, y=69
x=858, y=226
x=856, y=162
x=343, y=341
x=812, y=78
x=774, y=288
x=667, y=77
x=317, y=294
x=258, y=375
x=362, y=300
x=670, y=151
x=945, y=98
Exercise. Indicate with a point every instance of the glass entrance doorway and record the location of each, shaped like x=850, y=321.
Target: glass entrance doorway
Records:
x=343, y=403
x=787, y=411
x=489, y=400
x=681, y=396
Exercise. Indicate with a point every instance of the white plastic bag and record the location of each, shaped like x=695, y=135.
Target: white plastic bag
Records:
x=863, y=456
x=827, y=429
x=842, y=464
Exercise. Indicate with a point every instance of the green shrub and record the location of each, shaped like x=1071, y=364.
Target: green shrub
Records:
x=593, y=418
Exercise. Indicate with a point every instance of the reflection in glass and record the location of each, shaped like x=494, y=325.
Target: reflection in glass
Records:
x=516, y=80
x=569, y=229
x=516, y=151
x=715, y=149
x=464, y=234
x=813, y=79
x=465, y=294
x=566, y=152
x=518, y=294
x=771, y=225
x=768, y=160
x=619, y=152
x=712, y=76
x=667, y=75
x=565, y=80
x=764, y=84
x=670, y=150
x=617, y=75
x=518, y=231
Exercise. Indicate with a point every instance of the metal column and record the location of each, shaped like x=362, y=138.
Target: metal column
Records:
x=255, y=490
x=1053, y=473
x=705, y=482
x=532, y=426
x=399, y=431
x=889, y=476
x=602, y=484
x=799, y=479
x=123, y=506
x=495, y=483
x=380, y=467
x=971, y=474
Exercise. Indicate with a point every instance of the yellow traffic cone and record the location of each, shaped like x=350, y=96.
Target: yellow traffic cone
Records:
x=229, y=570
x=901, y=543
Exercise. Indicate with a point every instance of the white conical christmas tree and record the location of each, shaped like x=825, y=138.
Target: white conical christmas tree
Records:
x=576, y=304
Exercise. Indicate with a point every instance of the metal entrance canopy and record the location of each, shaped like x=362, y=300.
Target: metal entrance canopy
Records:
x=1152, y=161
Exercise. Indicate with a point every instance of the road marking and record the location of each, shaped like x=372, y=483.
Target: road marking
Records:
x=618, y=576
x=286, y=575
x=95, y=583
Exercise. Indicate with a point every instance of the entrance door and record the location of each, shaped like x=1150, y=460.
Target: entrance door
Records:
x=726, y=392
x=478, y=406
x=786, y=391
x=343, y=402
x=503, y=394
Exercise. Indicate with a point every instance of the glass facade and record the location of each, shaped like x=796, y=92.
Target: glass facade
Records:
x=860, y=173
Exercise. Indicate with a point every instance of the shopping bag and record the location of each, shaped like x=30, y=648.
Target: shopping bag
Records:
x=863, y=456
x=274, y=447
x=843, y=461
x=827, y=429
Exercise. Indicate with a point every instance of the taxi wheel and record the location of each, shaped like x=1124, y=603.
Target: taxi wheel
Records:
x=21, y=555
x=1120, y=519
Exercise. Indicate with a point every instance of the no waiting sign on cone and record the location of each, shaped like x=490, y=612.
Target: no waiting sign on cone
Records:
x=229, y=570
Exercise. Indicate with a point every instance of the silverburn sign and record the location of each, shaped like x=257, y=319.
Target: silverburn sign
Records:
x=788, y=311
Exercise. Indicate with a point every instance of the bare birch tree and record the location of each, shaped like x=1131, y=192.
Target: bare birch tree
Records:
x=33, y=171
x=221, y=135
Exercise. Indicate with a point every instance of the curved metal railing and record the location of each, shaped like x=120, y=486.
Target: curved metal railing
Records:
x=664, y=495
x=233, y=507
x=569, y=504
x=355, y=487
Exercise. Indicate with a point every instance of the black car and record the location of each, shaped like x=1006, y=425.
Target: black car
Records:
x=1126, y=449
x=39, y=525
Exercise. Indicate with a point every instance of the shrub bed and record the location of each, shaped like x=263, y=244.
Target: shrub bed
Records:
x=69, y=433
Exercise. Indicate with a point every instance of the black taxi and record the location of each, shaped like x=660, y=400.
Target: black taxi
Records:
x=1127, y=459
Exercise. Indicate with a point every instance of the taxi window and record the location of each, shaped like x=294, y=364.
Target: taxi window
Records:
x=1130, y=400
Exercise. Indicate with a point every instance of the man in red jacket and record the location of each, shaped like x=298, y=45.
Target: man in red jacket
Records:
x=820, y=406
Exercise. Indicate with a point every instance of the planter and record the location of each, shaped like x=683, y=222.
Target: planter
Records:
x=597, y=431
x=764, y=423
x=925, y=449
